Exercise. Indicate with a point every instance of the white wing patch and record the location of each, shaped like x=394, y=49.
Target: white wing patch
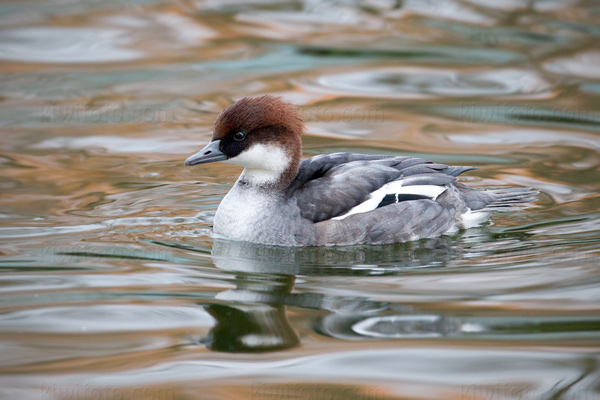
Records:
x=431, y=191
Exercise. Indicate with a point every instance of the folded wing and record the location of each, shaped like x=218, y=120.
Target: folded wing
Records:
x=338, y=185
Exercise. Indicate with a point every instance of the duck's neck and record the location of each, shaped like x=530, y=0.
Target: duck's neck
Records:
x=273, y=181
x=268, y=167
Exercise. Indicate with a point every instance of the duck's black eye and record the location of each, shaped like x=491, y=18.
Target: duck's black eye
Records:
x=239, y=136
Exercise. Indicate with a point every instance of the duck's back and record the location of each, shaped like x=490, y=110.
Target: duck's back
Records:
x=355, y=198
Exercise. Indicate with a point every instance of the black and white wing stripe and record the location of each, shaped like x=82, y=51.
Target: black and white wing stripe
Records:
x=394, y=192
x=338, y=185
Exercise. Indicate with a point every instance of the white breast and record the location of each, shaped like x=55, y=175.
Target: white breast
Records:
x=243, y=213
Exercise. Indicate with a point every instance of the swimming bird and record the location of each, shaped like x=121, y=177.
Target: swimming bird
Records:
x=334, y=199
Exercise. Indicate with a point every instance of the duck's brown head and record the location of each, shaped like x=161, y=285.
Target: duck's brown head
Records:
x=261, y=134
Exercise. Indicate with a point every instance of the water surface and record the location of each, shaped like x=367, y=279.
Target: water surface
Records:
x=113, y=286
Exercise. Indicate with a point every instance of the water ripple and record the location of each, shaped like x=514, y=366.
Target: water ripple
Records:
x=65, y=45
x=426, y=83
x=104, y=318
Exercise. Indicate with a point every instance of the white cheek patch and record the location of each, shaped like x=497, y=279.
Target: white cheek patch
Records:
x=264, y=163
x=394, y=188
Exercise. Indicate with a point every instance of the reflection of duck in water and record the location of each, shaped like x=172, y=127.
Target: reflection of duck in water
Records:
x=252, y=317
x=254, y=320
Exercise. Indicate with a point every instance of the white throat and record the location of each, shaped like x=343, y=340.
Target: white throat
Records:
x=264, y=163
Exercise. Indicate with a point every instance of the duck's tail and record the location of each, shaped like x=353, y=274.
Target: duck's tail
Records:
x=510, y=198
x=492, y=200
x=482, y=203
